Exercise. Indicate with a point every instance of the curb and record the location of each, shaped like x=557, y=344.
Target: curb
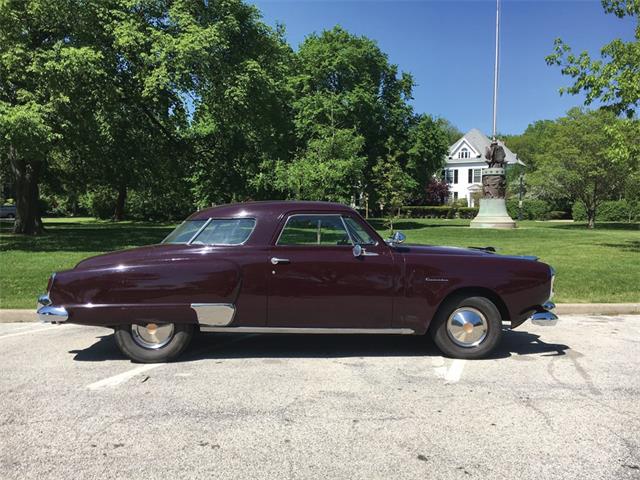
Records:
x=29, y=315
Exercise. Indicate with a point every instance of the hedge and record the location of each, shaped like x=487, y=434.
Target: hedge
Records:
x=442, y=211
x=611, y=211
x=532, y=209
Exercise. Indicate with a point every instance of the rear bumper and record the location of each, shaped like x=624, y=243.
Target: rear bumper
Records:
x=545, y=316
x=48, y=313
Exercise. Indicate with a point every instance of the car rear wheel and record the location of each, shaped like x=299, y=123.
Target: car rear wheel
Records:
x=153, y=343
x=467, y=327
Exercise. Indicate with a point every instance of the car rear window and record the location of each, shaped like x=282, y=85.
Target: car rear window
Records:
x=185, y=231
x=232, y=231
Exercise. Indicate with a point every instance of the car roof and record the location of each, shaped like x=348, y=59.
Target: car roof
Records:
x=271, y=209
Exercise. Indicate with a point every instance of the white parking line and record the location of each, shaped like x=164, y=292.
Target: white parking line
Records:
x=122, y=377
x=51, y=328
x=452, y=374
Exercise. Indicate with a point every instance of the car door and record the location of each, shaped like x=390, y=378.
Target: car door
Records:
x=316, y=281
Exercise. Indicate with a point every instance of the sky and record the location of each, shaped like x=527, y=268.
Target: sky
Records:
x=448, y=47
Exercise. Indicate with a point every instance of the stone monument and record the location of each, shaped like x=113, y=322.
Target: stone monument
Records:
x=493, y=209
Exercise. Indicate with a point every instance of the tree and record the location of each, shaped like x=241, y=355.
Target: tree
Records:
x=429, y=148
x=236, y=71
x=393, y=185
x=615, y=78
x=451, y=131
x=437, y=191
x=330, y=168
x=44, y=74
x=346, y=82
x=587, y=159
x=89, y=85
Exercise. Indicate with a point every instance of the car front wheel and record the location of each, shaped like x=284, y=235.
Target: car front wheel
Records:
x=469, y=327
x=153, y=343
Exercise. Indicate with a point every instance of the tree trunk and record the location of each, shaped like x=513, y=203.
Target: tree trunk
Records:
x=118, y=213
x=591, y=218
x=28, y=220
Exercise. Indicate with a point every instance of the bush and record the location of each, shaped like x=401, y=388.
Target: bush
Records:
x=467, y=212
x=100, y=203
x=147, y=205
x=532, y=209
x=558, y=215
x=443, y=211
x=611, y=211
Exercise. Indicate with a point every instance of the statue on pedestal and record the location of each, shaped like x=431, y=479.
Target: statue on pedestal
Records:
x=494, y=184
x=493, y=209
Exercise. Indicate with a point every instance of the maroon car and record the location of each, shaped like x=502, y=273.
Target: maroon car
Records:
x=297, y=267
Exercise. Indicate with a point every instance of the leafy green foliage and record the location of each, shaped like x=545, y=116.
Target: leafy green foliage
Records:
x=610, y=211
x=588, y=157
x=615, y=78
x=393, y=185
x=330, y=168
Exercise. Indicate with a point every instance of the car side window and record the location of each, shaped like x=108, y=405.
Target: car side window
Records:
x=318, y=230
x=358, y=233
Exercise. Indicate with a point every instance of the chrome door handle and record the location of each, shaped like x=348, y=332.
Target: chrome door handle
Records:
x=276, y=260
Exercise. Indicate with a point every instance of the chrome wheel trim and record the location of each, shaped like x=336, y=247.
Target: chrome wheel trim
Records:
x=152, y=336
x=467, y=327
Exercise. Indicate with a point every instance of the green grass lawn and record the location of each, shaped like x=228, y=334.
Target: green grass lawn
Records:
x=602, y=265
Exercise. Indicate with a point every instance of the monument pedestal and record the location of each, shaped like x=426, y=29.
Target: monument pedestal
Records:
x=493, y=214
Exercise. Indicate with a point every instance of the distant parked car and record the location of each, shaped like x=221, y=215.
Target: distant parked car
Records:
x=8, y=211
x=297, y=267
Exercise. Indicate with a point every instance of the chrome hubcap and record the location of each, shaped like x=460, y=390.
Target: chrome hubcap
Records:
x=467, y=327
x=152, y=335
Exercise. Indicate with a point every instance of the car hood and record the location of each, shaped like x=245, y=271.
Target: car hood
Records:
x=133, y=256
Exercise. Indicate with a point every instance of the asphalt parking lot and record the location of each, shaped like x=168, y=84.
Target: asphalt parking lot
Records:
x=555, y=402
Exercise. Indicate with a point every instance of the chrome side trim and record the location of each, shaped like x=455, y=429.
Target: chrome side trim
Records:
x=315, y=331
x=214, y=314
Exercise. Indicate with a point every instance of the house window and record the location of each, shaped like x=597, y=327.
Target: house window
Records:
x=455, y=196
x=455, y=176
x=474, y=175
x=448, y=175
x=464, y=153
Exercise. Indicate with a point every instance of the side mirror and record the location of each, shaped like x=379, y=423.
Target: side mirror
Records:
x=357, y=250
x=398, y=237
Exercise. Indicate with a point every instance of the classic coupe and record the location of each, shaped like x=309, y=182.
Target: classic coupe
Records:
x=298, y=267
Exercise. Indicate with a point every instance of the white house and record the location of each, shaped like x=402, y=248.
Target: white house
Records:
x=463, y=168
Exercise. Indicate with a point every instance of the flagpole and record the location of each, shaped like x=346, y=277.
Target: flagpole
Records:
x=495, y=70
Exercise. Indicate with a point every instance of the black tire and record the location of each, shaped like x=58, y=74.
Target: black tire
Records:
x=182, y=334
x=488, y=341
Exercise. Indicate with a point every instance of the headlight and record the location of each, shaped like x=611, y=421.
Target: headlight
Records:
x=553, y=279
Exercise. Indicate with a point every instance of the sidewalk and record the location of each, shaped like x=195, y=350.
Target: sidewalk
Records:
x=9, y=316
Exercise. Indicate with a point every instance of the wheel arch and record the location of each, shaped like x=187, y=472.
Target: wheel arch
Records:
x=465, y=292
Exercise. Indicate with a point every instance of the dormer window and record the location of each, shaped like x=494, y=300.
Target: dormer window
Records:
x=464, y=153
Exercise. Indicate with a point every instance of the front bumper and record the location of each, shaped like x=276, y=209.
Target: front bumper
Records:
x=544, y=316
x=48, y=313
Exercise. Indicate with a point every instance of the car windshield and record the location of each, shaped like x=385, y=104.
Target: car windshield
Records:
x=185, y=231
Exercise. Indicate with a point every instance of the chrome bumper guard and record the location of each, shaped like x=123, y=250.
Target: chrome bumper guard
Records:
x=48, y=313
x=545, y=316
